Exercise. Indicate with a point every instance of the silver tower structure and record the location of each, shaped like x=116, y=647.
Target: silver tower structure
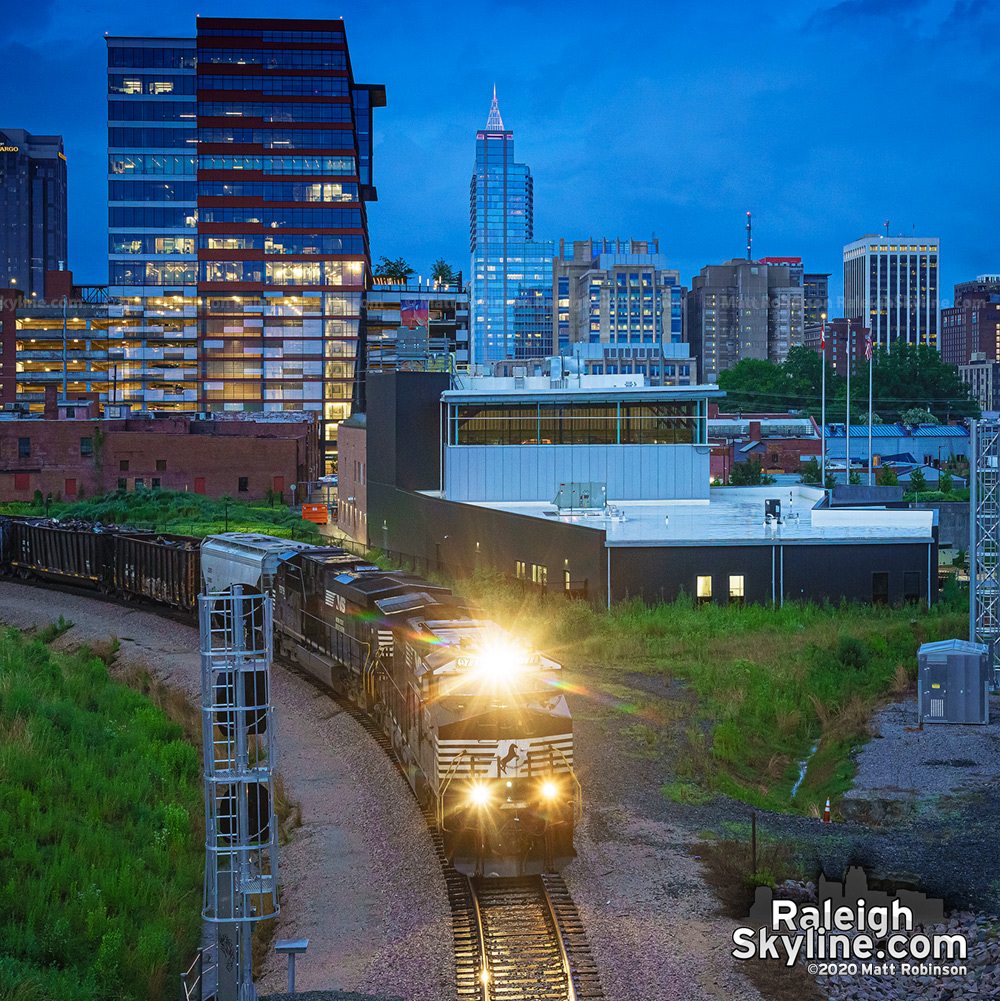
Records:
x=241, y=831
x=984, y=545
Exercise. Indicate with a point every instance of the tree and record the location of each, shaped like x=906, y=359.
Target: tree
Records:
x=917, y=416
x=443, y=274
x=755, y=386
x=914, y=376
x=855, y=478
x=810, y=471
x=888, y=477
x=863, y=418
x=396, y=270
x=918, y=481
x=749, y=474
x=945, y=482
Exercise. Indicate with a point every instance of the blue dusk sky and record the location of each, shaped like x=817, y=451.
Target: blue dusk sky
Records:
x=823, y=119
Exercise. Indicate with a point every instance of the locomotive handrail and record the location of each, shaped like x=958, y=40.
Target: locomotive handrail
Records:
x=578, y=789
x=448, y=776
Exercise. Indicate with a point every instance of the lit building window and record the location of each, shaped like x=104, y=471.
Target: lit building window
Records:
x=736, y=592
x=704, y=591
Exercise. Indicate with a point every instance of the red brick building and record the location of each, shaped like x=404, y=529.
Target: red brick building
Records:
x=780, y=442
x=845, y=344
x=972, y=326
x=214, y=454
x=352, y=481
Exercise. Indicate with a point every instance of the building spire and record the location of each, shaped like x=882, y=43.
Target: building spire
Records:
x=494, y=121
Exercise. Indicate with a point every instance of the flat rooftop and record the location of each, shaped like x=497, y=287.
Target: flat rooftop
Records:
x=735, y=516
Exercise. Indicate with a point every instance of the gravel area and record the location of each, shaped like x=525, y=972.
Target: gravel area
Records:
x=651, y=918
x=652, y=922
x=359, y=878
x=903, y=765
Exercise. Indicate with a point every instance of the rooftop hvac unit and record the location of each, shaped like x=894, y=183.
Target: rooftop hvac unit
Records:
x=584, y=495
x=953, y=682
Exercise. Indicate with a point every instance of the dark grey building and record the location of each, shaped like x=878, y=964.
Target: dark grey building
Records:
x=425, y=501
x=32, y=207
x=744, y=309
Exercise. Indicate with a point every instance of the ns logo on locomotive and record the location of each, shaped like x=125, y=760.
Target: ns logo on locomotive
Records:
x=475, y=717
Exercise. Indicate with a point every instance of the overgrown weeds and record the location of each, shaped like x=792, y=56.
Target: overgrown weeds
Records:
x=180, y=513
x=54, y=630
x=766, y=683
x=102, y=822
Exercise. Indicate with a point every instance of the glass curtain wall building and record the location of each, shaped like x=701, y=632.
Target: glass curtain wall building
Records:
x=511, y=285
x=152, y=222
x=279, y=257
x=33, y=209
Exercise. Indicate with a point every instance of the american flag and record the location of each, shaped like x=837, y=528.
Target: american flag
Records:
x=868, y=345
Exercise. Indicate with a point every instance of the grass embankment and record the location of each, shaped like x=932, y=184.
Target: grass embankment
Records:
x=101, y=830
x=747, y=690
x=179, y=514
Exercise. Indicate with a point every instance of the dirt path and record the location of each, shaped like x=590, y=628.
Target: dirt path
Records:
x=359, y=878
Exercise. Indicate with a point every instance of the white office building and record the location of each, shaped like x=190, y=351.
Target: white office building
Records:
x=891, y=284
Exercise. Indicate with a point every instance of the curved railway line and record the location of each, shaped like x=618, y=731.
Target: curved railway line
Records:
x=516, y=938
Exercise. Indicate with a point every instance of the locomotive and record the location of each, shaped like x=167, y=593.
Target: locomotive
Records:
x=476, y=718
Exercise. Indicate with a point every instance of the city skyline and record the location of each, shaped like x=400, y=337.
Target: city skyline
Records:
x=818, y=135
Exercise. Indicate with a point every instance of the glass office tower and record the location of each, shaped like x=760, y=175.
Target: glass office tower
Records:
x=511, y=287
x=152, y=223
x=280, y=263
x=33, y=209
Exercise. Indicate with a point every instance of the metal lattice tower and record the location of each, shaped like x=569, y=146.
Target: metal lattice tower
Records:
x=984, y=544
x=241, y=831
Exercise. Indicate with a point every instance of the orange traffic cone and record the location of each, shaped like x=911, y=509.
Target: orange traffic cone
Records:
x=826, y=811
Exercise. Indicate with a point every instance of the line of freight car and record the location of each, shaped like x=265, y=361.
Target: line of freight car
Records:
x=129, y=564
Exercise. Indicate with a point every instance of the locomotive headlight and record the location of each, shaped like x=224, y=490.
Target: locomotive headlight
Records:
x=497, y=664
x=480, y=795
x=550, y=790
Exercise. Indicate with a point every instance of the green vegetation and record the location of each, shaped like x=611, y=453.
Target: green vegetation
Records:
x=748, y=474
x=395, y=269
x=102, y=830
x=179, y=514
x=911, y=382
x=750, y=688
x=443, y=273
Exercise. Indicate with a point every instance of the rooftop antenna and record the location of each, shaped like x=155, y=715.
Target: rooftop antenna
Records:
x=887, y=227
x=749, y=238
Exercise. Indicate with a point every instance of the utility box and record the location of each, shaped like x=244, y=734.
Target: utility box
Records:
x=953, y=682
x=584, y=495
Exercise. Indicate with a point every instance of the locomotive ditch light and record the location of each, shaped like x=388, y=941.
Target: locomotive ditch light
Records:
x=550, y=790
x=480, y=795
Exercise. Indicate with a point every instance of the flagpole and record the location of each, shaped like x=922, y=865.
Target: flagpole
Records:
x=870, y=353
x=850, y=365
x=822, y=346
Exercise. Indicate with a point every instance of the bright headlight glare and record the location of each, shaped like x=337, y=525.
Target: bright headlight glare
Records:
x=479, y=795
x=497, y=664
x=549, y=790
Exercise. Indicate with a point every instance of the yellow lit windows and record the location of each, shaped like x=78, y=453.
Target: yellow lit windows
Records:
x=704, y=589
x=736, y=592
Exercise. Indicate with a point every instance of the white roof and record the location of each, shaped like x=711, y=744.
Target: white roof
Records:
x=735, y=516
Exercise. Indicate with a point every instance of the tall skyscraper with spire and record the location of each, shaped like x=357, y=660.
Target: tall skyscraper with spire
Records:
x=511, y=286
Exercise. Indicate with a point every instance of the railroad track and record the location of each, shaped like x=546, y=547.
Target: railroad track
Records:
x=533, y=944
x=516, y=938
